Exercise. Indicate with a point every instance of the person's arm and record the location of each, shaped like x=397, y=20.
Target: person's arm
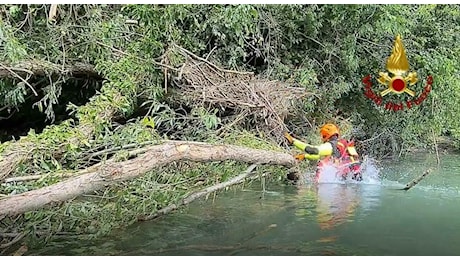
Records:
x=312, y=152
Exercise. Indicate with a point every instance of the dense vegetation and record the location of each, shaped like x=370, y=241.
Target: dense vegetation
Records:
x=105, y=76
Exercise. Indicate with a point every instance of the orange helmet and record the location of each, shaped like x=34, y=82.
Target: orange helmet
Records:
x=328, y=130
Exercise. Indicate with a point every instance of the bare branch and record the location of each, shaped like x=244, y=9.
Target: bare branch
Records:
x=23, y=178
x=44, y=68
x=187, y=200
x=127, y=54
x=213, y=65
x=52, y=13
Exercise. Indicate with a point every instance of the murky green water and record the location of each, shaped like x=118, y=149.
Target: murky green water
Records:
x=368, y=218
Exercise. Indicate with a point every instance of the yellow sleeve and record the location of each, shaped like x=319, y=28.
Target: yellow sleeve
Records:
x=299, y=144
x=322, y=150
x=312, y=156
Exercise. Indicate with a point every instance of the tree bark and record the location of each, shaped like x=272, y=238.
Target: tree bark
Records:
x=99, y=176
x=414, y=182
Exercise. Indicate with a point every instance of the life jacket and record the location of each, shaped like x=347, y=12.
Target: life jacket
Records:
x=345, y=157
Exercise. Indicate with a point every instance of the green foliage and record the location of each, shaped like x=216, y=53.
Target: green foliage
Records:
x=14, y=95
x=148, y=121
x=327, y=49
x=245, y=138
x=210, y=121
x=13, y=50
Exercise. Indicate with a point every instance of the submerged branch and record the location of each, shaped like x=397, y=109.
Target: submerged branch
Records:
x=220, y=248
x=187, y=200
x=416, y=180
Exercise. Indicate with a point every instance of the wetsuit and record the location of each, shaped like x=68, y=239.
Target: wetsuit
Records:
x=342, y=152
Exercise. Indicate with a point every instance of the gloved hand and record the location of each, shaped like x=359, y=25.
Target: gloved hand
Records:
x=289, y=137
x=300, y=157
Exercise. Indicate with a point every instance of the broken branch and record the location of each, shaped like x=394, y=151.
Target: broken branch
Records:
x=238, y=179
x=416, y=180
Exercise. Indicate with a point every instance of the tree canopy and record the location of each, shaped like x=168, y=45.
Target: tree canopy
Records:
x=79, y=82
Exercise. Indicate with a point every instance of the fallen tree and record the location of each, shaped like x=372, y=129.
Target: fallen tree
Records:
x=110, y=172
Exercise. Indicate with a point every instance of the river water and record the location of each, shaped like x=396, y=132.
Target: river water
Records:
x=373, y=217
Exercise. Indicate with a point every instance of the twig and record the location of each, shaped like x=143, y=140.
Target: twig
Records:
x=179, y=77
x=322, y=45
x=22, y=79
x=211, y=64
x=371, y=42
x=209, y=54
x=314, y=40
x=128, y=54
x=99, y=197
x=52, y=13
x=10, y=115
x=165, y=72
x=438, y=161
x=238, y=179
x=10, y=235
x=401, y=150
x=25, y=20
x=131, y=21
x=12, y=242
x=228, y=126
x=23, y=178
x=63, y=52
x=373, y=138
x=204, y=74
x=23, y=70
x=114, y=149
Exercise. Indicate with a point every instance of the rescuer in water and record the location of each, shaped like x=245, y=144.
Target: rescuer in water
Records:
x=333, y=150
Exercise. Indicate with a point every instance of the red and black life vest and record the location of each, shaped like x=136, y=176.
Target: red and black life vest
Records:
x=343, y=155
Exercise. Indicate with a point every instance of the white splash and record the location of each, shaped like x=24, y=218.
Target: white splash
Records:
x=369, y=169
x=329, y=174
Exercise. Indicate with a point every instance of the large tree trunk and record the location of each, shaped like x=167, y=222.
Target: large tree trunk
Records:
x=99, y=176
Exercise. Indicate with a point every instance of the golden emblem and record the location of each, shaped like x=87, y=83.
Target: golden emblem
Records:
x=398, y=65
